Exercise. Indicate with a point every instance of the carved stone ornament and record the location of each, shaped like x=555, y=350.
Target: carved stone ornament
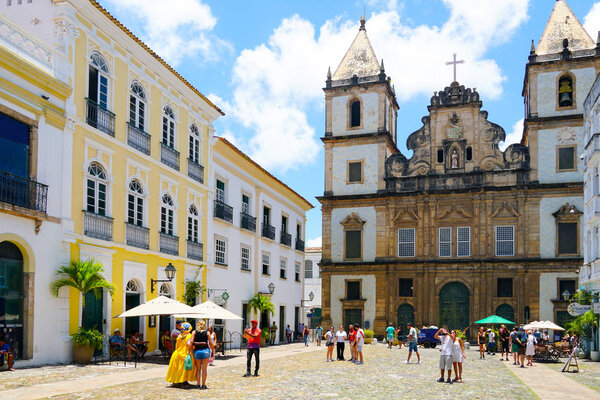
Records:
x=353, y=221
x=454, y=212
x=395, y=166
x=406, y=214
x=505, y=210
x=567, y=210
x=454, y=130
x=566, y=135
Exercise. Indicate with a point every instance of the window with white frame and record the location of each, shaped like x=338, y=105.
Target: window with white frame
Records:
x=266, y=261
x=98, y=84
x=463, y=241
x=445, y=242
x=193, y=230
x=245, y=204
x=135, y=203
x=220, y=192
x=194, y=144
x=283, y=268
x=167, y=210
x=505, y=240
x=168, y=127
x=308, y=269
x=96, y=185
x=406, y=242
x=220, y=251
x=297, y=271
x=137, y=106
x=245, y=257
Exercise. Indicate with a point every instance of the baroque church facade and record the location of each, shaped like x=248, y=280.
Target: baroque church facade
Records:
x=461, y=229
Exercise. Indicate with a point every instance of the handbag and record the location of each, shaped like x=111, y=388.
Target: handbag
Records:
x=187, y=365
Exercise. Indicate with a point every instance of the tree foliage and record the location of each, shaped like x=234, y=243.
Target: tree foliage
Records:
x=262, y=304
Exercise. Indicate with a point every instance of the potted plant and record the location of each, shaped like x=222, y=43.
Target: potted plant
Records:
x=84, y=276
x=262, y=304
x=369, y=335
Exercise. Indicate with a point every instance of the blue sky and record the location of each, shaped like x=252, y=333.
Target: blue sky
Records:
x=265, y=62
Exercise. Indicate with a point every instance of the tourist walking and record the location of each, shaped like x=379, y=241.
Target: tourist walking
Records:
x=514, y=346
x=359, y=342
x=400, y=336
x=446, y=355
x=329, y=342
x=213, y=348
x=203, y=344
x=458, y=356
x=530, y=349
x=288, y=334
x=177, y=374
x=504, y=339
x=522, y=343
x=390, y=331
x=491, y=347
x=340, y=336
x=413, y=343
x=351, y=339
x=306, y=335
x=481, y=342
x=253, y=337
x=319, y=334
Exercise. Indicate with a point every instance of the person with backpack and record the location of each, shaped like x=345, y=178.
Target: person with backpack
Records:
x=522, y=343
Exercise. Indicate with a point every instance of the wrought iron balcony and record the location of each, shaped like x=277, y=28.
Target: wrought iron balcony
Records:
x=169, y=244
x=100, y=118
x=286, y=239
x=299, y=244
x=136, y=236
x=223, y=211
x=97, y=226
x=247, y=221
x=195, y=250
x=195, y=171
x=138, y=139
x=268, y=231
x=23, y=192
x=169, y=156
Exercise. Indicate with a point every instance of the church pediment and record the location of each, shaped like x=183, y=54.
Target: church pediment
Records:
x=567, y=210
x=505, y=211
x=353, y=221
x=454, y=212
x=406, y=215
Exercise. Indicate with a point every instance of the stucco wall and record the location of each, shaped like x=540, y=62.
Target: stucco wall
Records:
x=367, y=214
x=369, y=107
x=338, y=291
x=549, y=291
x=548, y=140
x=341, y=155
x=546, y=83
x=548, y=206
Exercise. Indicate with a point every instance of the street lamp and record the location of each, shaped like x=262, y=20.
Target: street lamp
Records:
x=271, y=287
x=169, y=271
x=311, y=296
x=566, y=294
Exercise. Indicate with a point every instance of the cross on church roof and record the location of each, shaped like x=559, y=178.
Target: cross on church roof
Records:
x=454, y=63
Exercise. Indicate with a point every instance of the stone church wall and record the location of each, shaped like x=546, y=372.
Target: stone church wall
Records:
x=338, y=291
x=548, y=140
x=341, y=156
x=546, y=86
x=367, y=214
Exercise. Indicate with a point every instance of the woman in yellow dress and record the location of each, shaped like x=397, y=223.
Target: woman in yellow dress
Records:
x=176, y=374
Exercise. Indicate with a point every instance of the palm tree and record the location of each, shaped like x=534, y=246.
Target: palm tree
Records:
x=85, y=276
x=261, y=303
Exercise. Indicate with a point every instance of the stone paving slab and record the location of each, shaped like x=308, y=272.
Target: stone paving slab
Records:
x=588, y=375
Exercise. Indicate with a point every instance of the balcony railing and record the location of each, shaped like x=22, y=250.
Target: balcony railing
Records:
x=100, y=118
x=195, y=250
x=268, y=231
x=169, y=244
x=247, y=222
x=136, y=236
x=97, y=226
x=169, y=156
x=195, y=171
x=138, y=139
x=223, y=211
x=299, y=244
x=23, y=192
x=286, y=239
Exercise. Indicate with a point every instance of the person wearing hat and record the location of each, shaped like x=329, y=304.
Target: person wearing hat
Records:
x=253, y=337
x=177, y=374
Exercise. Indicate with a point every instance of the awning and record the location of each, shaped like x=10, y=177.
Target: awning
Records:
x=209, y=310
x=159, y=306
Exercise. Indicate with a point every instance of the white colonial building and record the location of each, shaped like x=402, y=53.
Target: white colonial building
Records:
x=255, y=242
x=312, y=286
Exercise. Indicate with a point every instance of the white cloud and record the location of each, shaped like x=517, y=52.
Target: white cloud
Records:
x=591, y=21
x=175, y=31
x=316, y=242
x=276, y=84
x=514, y=136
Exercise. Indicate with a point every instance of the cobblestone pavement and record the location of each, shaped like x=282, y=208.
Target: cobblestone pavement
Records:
x=589, y=373
x=309, y=376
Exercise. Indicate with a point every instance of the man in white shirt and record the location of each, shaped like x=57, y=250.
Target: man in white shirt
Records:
x=491, y=347
x=360, y=341
x=413, y=343
x=446, y=357
x=341, y=337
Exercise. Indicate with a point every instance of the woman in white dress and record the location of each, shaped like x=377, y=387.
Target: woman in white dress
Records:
x=530, y=350
x=458, y=355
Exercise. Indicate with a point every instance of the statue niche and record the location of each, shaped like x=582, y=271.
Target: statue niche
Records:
x=454, y=159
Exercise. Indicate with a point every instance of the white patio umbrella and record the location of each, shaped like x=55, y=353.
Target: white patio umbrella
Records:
x=209, y=310
x=159, y=306
x=543, y=325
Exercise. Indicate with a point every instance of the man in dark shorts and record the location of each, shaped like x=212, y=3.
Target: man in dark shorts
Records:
x=504, y=338
x=522, y=342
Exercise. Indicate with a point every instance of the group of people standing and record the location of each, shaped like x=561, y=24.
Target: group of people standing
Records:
x=521, y=343
x=356, y=340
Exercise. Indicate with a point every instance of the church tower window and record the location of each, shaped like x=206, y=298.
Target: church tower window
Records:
x=469, y=153
x=440, y=156
x=566, y=158
x=565, y=91
x=355, y=114
x=355, y=172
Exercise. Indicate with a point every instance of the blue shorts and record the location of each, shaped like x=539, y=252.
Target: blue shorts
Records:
x=412, y=346
x=202, y=354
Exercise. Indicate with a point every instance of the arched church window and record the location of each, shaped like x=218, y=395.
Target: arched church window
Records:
x=440, y=156
x=565, y=91
x=355, y=113
x=469, y=153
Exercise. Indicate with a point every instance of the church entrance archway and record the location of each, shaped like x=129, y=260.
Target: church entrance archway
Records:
x=506, y=311
x=406, y=314
x=11, y=296
x=454, y=306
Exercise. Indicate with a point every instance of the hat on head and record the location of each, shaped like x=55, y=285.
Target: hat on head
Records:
x=254, y=322
x=489, y=330
x=186, y=327
x=117, y=330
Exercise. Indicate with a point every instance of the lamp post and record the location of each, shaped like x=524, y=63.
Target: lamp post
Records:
x=271, y=287
x=311, y=296
x=566, y=294
x=169, y=271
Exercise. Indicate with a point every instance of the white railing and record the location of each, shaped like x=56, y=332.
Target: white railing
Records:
x=194, y=250
x=138, y=139
x=169, y=244
x=169, y=156
x=136, y=236
x=97, y=226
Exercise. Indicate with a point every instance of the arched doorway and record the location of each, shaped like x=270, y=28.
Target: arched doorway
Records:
x=406, y=314
x=164, y=322
x=454, y=306
x=132, y=299
x=506, y=311
x=11, y=296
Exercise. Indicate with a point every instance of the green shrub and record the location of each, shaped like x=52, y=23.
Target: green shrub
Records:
x=369, y=334
x=265, y=333
x=88, y=337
